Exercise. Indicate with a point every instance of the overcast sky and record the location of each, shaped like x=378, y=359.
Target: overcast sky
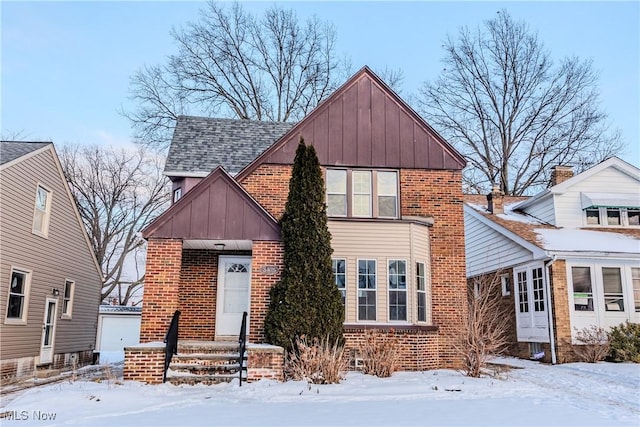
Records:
x=66, y=65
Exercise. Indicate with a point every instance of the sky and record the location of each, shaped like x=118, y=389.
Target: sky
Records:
x=66, y=65
x=530, y=394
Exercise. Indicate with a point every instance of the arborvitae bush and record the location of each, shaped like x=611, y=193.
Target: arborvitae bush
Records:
x=624, y=342
x=305, y=301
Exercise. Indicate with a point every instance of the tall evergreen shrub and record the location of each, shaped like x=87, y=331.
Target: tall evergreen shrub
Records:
x=306, y=301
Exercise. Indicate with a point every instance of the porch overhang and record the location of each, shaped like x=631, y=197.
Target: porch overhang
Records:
x=218, y=245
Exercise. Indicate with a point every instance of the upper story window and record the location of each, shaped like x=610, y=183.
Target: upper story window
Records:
x=67, y=298
x=177, y=194
x=42, y=211
x=362, y=193
x=612, y=217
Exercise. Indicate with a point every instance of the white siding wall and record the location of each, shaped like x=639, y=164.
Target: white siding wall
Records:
x=487, y=250
x=543, y=210
x=568, y=207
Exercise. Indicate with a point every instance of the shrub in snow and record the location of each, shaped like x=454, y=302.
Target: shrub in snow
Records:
x=318, y=362
x=624, y=342
x=484, y=333
x=379, y=353
x=593, y=344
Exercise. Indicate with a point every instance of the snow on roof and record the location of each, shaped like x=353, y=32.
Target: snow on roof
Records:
x=587, y=241
x=511, y=215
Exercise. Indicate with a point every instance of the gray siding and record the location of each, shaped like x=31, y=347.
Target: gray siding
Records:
x=63, y=255
x=543, y=210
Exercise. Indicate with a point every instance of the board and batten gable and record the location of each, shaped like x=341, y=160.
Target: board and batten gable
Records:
x=611, y=180
x=64, y=254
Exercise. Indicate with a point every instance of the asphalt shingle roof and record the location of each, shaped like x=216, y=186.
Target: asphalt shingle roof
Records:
x=11, y=150
x=200, y=144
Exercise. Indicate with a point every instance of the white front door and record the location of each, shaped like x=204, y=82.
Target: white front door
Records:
x=234, y=280
x=48, y=331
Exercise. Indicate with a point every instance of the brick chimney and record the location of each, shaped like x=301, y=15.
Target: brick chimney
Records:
x=495, y=201
x=560, y=174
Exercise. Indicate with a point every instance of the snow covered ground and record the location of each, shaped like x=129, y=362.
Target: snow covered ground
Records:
x=576, y=394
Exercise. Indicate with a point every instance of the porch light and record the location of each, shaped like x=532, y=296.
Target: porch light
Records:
x=218, y=246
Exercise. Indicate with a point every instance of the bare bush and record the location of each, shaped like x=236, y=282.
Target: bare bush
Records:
x=483, y=333
x=593, y=344
x=318, y=362
x=379, y=353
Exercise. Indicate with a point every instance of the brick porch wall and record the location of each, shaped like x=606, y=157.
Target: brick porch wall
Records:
x=161, y=287
x=266, y=265
x=198, y=294
x=439, y=194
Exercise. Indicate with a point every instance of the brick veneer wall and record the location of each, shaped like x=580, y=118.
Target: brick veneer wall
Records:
x=265, y=256
x=161, y=287
x=198, y=294
x=417, y=345
x=265, y=362
x=269, y=185
x=144, y=363
x=439, y=194
x=561, y=315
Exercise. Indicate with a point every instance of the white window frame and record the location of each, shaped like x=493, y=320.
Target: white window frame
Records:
x=374, y=289
x=380, y=194
x=372, y=193
x=331, y=192
x=67, y=301
x=343, y=291
x=421, y=282
x=603, y=218
x=43, y=214
x=505, y=281
x=368, y=194
x=635, y=288
x=177, y=194
x=22, y=320
x=397, y=289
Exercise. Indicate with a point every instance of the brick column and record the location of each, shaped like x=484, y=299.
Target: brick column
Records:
x=438, y=194
x=161, y=287
x=266, y=265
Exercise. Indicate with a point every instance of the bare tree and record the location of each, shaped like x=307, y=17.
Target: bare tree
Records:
x=484, y=332
x=512, y=112
x=230, y=62
x=118, y=192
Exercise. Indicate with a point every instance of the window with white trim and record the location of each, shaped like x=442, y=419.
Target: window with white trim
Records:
x=362, y=193
x=612, y=284
x=339, y=267
x=505, y=281
x=522, y=292
x=177, y=194
x=538, y=289
x=18, y=294
x=397, y=275
x=421, y=289
x=582, y=288
x=612, y=216
x=635, y=279
x=367, y=289
x=42, y=211
x=67, y=298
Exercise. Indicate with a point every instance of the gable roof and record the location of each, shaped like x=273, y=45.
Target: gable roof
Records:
x=611, y=162
x=364, y=123
x=14, y=150
x=217, y=208
x=201, y=144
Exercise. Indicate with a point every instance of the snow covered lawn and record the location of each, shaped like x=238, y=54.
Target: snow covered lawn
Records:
x=576, y=394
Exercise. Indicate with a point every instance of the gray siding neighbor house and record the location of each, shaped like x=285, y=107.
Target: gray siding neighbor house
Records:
x=49, y=277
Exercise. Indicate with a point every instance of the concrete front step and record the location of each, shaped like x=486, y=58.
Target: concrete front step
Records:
x=191, y=367
x=178, y=378
x=205, y=363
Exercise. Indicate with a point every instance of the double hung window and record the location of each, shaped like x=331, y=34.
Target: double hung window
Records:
x=362, y=193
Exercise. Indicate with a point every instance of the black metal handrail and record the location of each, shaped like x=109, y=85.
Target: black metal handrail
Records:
x=242, y=341
x=171, y=340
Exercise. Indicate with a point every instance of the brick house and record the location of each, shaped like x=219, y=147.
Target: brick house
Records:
x=568, y=257
x=394, y=197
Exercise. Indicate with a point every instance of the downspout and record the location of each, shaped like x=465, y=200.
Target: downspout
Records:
x=552, y=341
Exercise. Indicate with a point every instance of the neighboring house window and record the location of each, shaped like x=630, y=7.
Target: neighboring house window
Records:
x=366, y=289
x=177, y=194
x=18, y=292
x=67, y=298
x=635, y=278
x=505, y=280
x=522, y=292
x=421, y=286
x=612, y=282
x=582, y=288
x=614, y=217
x=336, y=192
x=362, y=193
x=397, y=274
x=538, y=289
x=42, y=211
x=340, y=276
